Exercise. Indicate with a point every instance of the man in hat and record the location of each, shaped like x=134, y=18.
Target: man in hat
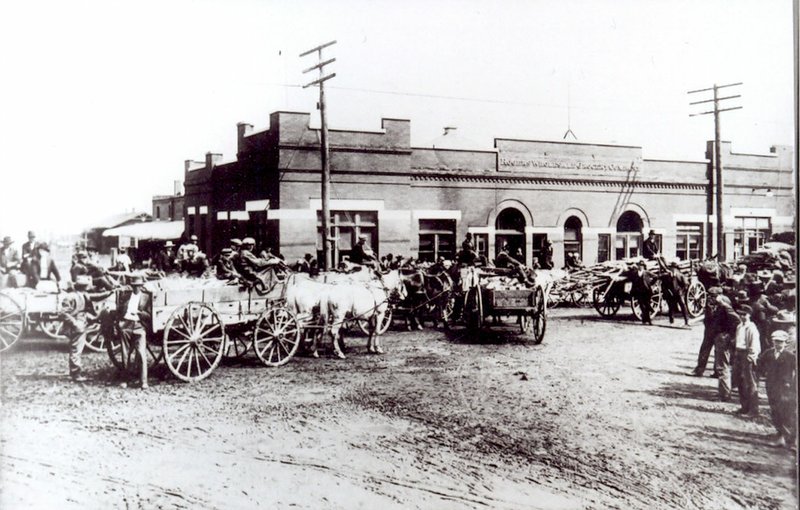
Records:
x=763, y=311
x=747, y=348
x=710, y=331
x=363, y=254
x=786, y=321
x=133, y=314
x=642, y=289
x=546, y=257
x=75, y=309
x=249, y=264
x=779, y=366
x=186, y=247
x=165, y=258
x=650, y=247
x=10, y=261
x=28, y=251
x=727, y=321
x=42, y=266
x=673, y=288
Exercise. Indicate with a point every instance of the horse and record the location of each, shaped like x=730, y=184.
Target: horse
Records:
x=712, y=273
x=361, y=300
x=426, y=291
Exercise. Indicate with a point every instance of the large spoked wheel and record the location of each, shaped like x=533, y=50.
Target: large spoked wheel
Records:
x=122, y=349
x=383, y=327
x=237, y=344
x=52, y=328
x=655, y=303
x=12, y=321
x=194, y=338
x=554, y=299
x=539, y=317
x=605, y=303
x=577, y=297
x=276, y=336
x=696, y=299
x=473, y=309
x=93, y=338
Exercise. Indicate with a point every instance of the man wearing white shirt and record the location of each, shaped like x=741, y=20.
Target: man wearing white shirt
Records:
x=136, y=315
x=748, y=347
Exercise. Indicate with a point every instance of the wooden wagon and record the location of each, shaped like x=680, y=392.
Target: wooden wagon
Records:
x=198, y=322
x=484, y=299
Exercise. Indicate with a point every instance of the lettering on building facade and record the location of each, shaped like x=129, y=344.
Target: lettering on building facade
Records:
x=515, y=163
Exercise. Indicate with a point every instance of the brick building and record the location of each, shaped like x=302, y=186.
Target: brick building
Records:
x=594, y=199
x=169, y=207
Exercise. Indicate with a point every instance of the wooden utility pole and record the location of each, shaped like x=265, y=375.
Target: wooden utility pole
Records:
x=716, y=176
x=324, y=151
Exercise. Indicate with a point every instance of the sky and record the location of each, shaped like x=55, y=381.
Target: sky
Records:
x=101, y=101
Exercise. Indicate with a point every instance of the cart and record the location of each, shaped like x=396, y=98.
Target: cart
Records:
x=486, y=295
x=195, y=323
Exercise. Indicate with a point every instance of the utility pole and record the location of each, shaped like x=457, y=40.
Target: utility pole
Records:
x=324, y=150
x=716, y=175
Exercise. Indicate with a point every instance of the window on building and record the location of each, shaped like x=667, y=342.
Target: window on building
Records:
x=628, y=240
x=171, y=211
x=437, y=238
x=689, y=241
x=573, y=237
x=158, y=212
x=603, y=247
x=510, y=229
x=750, y=234
x=481, y=244
x=346, y=226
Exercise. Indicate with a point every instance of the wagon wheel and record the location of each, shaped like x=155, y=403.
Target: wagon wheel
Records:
x=121, y=351
x=655, y=303
x=383, y=327
x=539, y=317
x=473, y=308
x=12, y=321
x=554, y=299
x=696, y=299
x=237, y=344
x=276, y=336
x=194, y=337
x=577, y=297
x=52, y=328
x=93, y=338
x=605, y=303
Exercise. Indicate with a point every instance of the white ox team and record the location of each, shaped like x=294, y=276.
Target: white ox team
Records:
x=337, y=298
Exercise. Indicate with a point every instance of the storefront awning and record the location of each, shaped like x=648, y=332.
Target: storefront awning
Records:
x=159, y=230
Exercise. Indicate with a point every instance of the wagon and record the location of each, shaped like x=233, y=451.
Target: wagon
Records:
x=484, y=299
x=195, y=323
x=611, y=289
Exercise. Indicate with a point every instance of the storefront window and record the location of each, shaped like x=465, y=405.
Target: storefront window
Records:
x=750, y=233
x=629, y=236
x=689, y=241
x=437, y=238
x=346, y=227
x=603, y=247
x=573, y=238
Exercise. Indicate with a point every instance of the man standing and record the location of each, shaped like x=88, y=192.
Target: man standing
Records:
x=75, y=308
x=727, y=321
x=748, y=347
x=642, y=290
x=710, y=330
x=165, y=259
x=134, y=309
x=9, y=261
x=42, y=266
x=29, y=254
x=780, y=368
x=673, y=287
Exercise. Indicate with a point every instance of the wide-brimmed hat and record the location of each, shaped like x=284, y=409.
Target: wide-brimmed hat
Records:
x=642, y=263
x=193, y=237
x=764, y=274
x=673, y=263
x=742, y=309
x=169, y=244
x=236, y=241
x=742, y=296
x=31, y=233
x=715, y=291
x=7, y=240
x=136, y=280
x=226, y=251
x=785, y=317
x=249, y=240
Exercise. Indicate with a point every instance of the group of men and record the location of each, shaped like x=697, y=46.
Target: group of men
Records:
x=33, y=265
x=752, y=338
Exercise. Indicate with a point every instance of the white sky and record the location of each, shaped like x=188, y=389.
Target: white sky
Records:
x=101, y=101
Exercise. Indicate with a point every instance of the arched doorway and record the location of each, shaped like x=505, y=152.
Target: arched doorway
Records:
x=510, y=229
x=573, y=236
x=628, y=241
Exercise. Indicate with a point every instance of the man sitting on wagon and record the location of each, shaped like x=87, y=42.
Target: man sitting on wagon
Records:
x=250, y=266
x=195, y=263
x=362, y=254
x=224, y=266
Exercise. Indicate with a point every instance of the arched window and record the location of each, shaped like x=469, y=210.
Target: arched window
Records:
x=573, y=237
x=510, y=228
x=629, y=235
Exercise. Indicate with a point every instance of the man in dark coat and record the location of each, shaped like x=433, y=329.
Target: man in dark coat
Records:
x=728, y=321
x=75, y=309
x=780, y=368
x=642, y=290
x=650, y=247
x=363, y=254
x=224, y=265
x=673, y=288
x=763, y=311
x=710, y=330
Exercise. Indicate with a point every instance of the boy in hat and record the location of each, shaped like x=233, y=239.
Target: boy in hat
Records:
x=75, y=309
x=780, y=368
x=747, y=348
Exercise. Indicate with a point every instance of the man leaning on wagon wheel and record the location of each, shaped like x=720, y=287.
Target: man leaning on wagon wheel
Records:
x=135, y=315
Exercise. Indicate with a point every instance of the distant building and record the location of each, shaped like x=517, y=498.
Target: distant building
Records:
x=169, y=207
x=93, y=234
x=598, y=200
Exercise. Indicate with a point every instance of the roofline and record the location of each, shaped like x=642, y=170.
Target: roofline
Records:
x=703, y=162
x=569, y=143
x=487, y=151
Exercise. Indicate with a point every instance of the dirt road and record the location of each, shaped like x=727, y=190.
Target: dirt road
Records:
x=601, y=415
